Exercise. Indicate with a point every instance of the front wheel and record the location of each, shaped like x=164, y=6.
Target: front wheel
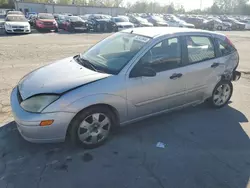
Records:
x=91, y=127
x=221, y=94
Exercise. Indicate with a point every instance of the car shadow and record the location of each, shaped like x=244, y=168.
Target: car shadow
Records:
x=203, y=148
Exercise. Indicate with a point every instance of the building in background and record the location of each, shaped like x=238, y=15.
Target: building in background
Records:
x=73, y=9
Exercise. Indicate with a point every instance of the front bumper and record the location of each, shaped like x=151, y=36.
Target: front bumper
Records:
x=47, y=27
x=29, y=127
x=23, y=30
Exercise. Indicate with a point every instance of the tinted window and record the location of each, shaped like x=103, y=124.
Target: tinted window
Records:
x=16, y=18
x=225, y=48
x=45, y=16
x=199, y=49
x=163, y=56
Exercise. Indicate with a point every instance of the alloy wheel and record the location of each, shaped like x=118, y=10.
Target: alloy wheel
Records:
x=221, y=94
x=94, y=128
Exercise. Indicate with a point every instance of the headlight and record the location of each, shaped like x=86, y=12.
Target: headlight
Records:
x=38, y=103
x=8, y=25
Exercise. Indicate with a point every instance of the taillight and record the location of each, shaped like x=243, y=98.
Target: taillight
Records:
x=229, y=42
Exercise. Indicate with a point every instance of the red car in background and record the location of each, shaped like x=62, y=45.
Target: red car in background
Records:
x=46, y=21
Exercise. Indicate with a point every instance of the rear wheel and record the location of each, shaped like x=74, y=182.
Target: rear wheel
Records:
x=91, y=127
x=219, y=28
x=221, y=94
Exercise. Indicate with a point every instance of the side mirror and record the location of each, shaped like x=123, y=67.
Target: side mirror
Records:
x=142, y=71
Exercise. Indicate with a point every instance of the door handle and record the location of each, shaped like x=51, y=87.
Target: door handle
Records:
x=214, y=65
x=175, y=76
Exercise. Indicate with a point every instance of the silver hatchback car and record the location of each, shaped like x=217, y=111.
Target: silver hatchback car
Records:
x=129, y=76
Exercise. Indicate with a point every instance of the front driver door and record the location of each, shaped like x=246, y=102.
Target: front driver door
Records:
x=166, y=90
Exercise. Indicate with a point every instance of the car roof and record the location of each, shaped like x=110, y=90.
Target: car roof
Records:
x=159, y=31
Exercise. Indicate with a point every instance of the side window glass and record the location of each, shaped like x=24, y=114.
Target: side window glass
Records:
x=163, y=56
x=199, y=49
x=225, y=48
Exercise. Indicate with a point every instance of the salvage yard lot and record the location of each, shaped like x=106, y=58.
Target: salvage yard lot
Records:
x=204, y=147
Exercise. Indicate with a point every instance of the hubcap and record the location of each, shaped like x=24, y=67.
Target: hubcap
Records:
x=222, y=94
x=94, y=128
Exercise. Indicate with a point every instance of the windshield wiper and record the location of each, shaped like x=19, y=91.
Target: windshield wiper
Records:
x=86, y=63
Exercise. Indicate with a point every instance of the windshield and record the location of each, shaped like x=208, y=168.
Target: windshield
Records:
x=15, y=12
x=74, y=18
x=85, y=17
x=141, y=20
x=114, y=52
x=158, y=19
x=45, y=16
x=16, y=19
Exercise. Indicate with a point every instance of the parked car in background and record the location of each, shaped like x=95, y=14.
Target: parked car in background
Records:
x=173, y=21
x=46, y=21
x=121, y=23
x=61, y=21
x=208, y=25
x=127, y=77
x=197, y=22
x=157, y=21
x=14, y=12
x=236, y=25
x=28, y=14
x=16, y=24
x=100, y=22
x=75, y=23
x=139, y=22
x=247, y=26
x=220, y=25
x=32, y=19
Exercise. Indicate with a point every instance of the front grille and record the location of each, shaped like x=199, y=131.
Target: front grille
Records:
x=48, y=23
x=17, y=27
x=78, y=24
x=19, y=97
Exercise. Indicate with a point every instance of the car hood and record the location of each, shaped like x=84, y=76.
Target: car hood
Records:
x=57, y=77
x=18, y=23
x=123, y=23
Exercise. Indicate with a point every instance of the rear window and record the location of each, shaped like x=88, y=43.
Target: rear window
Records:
x=225, y=47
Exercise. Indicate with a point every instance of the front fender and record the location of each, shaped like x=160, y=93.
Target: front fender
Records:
x=117, y=102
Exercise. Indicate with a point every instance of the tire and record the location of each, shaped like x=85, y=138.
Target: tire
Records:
x=224, y=96
x=94, y=131
x=219, y=28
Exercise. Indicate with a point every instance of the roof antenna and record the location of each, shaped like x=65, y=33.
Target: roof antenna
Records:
x=131, y=31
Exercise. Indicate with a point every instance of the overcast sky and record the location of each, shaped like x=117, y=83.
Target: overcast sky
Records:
x=188, y=4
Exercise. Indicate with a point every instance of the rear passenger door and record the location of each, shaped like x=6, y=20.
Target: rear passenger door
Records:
x=202, y=66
